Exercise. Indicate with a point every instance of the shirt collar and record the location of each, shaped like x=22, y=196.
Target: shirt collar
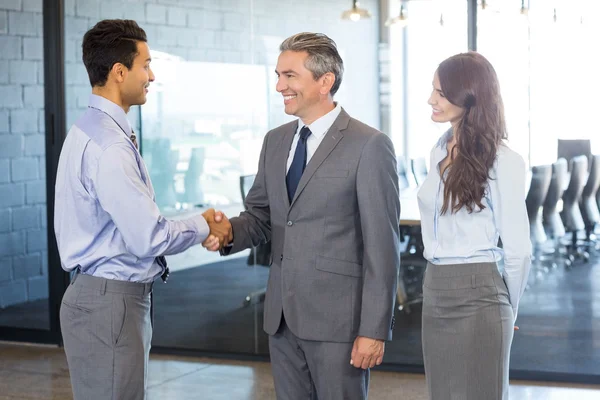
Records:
x=445, y=138
x=319, y=127
x=112, y=110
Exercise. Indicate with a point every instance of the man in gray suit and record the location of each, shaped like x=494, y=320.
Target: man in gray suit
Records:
x=326, y=196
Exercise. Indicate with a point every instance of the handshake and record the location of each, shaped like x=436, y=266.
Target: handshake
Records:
x=221, y=233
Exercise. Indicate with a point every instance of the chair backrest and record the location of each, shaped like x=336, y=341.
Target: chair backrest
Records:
x=538, y=189
x=571, y=213
x=590, y=209
x=578, y=168
x=246, y=182
x=552, y=221
x=570, y=148
x=419, y=169
x=558, y=184
x=593, y=181
x=404, y=180
x=541, y=176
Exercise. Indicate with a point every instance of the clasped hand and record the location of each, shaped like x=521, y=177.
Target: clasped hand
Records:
x=221, y=233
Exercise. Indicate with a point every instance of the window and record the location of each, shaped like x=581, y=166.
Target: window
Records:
x=434, y=31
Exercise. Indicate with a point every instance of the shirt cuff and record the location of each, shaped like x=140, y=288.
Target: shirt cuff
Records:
x=202, y=228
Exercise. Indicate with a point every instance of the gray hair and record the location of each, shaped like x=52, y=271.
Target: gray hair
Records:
x=323, y=56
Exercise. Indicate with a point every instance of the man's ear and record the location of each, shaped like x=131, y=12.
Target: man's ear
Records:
x=118, y=71
x=326, y=83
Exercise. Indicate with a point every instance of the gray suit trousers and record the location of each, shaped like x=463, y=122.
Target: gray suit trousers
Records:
x=106, y=333
x=314, y=370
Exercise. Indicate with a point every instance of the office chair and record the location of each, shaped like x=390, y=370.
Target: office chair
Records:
x=538, y=190
x=570, y=148
x=551, y=220
x=571, y=213
x=588, y=205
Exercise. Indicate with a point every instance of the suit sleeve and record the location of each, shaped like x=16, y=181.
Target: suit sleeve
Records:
x=379, y=207
x=253, y=226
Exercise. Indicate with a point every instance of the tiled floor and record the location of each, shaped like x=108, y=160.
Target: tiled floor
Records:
x=36, y=372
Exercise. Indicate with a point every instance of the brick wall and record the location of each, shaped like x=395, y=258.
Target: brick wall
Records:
x=23, y=243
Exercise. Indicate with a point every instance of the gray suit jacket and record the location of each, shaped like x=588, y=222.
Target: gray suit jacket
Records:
x=336, y=246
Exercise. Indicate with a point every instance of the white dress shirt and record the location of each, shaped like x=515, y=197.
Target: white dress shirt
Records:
x=318, y=130
x=458, y=238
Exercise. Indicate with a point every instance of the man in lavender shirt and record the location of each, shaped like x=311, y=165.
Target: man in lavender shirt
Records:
x=108, y=227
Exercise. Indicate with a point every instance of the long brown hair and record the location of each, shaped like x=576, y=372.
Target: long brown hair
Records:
x=469, y=81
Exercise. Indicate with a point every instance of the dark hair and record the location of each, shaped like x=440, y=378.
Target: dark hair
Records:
x=109, y=42
x=322, y=52
x=469, y=81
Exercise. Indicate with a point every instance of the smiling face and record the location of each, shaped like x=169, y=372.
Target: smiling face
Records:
x=136, y=80
x=303, y=96
x=442, y=109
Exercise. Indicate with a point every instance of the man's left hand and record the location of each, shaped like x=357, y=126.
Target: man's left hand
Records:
x=367, y=352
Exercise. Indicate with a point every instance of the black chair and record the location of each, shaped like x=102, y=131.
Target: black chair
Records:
x=405, y=180
x=569, y=148
x=551, y=220
x=538, y=190
x=411, y=271
x=259, y=255
x=419, y=169
x=571, y=213
x=588, y=205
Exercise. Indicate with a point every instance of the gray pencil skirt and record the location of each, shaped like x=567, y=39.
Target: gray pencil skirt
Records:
x=467, y=332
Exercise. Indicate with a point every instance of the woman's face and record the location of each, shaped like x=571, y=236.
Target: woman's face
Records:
x=442, y=109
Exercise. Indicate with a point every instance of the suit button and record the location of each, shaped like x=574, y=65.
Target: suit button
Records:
x=290, y=223
x=281, y=258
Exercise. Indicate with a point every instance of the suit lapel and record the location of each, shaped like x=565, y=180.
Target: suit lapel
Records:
x=331, y=139
x=281, y=163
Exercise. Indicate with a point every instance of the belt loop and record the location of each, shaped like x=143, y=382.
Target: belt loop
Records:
x=103, y=287
x=473, y=281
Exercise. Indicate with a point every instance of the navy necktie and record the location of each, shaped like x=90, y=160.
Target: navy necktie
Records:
x=298, y=163
x=134, y=139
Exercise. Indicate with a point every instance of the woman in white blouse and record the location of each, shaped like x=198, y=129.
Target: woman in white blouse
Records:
x=473, y=196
